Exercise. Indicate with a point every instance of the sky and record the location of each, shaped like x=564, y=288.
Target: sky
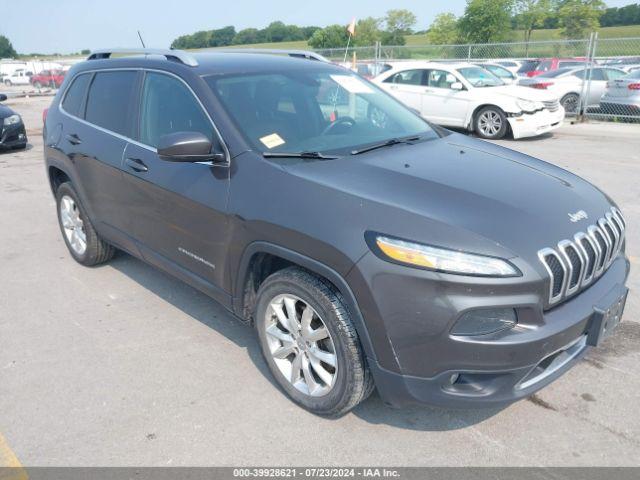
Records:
x=65, y=26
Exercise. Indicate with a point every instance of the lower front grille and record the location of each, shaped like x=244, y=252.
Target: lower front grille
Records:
x=574, y=263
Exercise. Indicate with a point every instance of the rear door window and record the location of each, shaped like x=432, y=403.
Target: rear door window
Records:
x=110, y=98
x=408, y=77
x=74, y=98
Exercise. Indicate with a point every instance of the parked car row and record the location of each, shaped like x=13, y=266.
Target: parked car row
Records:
x=490, y=98
x=44, y=78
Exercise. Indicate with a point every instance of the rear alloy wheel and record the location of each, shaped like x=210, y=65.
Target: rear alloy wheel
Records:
x=310, y=344
x=490, y=123
x=83, y=242
x=570, y=102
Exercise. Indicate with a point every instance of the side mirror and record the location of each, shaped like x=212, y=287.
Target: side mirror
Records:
x=457, y=86
x=3, y=97
x=187, y=147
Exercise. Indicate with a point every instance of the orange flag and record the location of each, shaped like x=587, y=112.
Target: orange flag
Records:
x=352, y=27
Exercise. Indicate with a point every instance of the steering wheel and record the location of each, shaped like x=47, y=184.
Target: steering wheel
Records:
x=350, y=122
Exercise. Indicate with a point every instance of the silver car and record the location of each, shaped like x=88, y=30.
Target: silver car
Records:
x=622, y=96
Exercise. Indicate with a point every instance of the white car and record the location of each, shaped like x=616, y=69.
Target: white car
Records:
x=622, y=96
x=467, y=96
x=567, y=85
x=19, y=77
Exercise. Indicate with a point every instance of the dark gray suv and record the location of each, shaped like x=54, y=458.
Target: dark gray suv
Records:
x=369, y=248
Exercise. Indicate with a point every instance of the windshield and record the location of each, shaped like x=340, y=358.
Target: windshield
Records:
x=327, y=111
x=480, y=77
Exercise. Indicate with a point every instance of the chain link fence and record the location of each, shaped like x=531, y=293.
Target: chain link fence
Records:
x=595, y=78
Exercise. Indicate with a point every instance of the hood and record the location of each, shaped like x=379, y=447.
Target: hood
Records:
x=528, y=93
x=460, y=193
x=5, y=111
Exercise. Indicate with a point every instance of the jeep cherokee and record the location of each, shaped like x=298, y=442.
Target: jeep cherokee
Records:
x=369, y=248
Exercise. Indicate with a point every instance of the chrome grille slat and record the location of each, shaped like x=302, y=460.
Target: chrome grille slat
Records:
x=574, y=264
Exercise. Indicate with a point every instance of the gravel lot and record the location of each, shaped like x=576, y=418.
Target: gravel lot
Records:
x=123, y=365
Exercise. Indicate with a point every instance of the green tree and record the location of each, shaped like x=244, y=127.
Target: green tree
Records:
x=531, y=14
x=577, y=18
x=486, y=21
x=333, y=36
x=367, y=32
x=6, y=49
x=443, y=30
x=247, y=35
x=221, y=37
x=398, y=23
x=308, y=32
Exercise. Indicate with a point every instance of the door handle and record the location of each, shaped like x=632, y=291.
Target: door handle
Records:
x=73, y=139
x=428, y=90
x=136, y=164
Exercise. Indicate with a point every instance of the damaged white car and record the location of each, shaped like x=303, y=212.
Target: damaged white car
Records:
x=464, y=95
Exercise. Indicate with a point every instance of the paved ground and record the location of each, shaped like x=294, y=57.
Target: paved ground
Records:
x=123, y=365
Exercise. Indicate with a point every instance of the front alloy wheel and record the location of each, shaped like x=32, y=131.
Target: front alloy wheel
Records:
x=491, y=123
x=309, y=342
x=301, y=345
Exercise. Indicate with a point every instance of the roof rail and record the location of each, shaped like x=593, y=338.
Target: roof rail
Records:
x=308, y=54
x=173, y=55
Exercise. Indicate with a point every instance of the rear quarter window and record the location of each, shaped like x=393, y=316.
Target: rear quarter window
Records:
x=110, y=100
x=73, y=99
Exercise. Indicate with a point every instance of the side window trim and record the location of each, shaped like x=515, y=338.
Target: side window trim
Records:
x=138, y=98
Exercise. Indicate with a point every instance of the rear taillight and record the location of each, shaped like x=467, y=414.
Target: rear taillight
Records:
x=44, y=115
x=634, y=86
x=541, y=85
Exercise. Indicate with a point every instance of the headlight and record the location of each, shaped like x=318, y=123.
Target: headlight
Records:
x=12, y=120
x=529, y=106
x=441, y=259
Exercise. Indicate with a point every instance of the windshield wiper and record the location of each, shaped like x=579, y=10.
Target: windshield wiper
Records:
x=388, y=143
x=315, y=155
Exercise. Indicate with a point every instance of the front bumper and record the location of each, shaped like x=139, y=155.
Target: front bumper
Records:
x=532, y=125
x=12, y=136
x=437, y=368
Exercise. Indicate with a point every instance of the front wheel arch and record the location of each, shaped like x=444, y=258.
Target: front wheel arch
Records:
x=293, y=258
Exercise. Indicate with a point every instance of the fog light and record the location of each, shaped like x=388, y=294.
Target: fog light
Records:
x=484, y=321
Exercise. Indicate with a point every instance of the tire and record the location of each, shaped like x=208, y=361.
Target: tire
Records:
x=570, y=102
x=351, y=381
x=7, y=83
x=490, y=123
x=37, y=85
x=95, y=250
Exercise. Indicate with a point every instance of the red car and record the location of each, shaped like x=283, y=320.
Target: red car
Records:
x=531, y=68
x=48, y=78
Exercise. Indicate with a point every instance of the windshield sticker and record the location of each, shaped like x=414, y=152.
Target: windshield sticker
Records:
x=351, y=84
x=272, y=141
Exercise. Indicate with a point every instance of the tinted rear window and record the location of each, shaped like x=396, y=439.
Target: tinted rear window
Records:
x=110, y=95
x=72, y=102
